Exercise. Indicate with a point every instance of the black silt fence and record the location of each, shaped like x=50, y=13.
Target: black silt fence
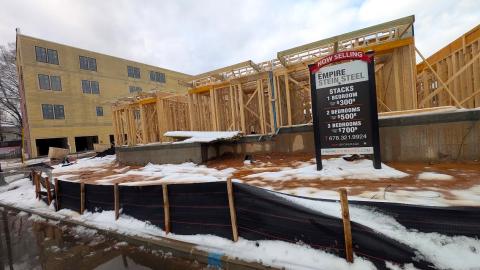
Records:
x=68, y=195
x=262, y=215
x=200, y=208
x=143, y=203
x=99, y=198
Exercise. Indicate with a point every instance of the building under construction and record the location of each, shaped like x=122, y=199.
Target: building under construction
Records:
x=260, y=98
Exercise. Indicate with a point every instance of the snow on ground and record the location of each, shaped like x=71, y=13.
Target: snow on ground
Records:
x=333, y=169
x=179, y=173
x=444, y=252
x=90, y=163
x=434, y=176
x=272, y=253
x=202, y=136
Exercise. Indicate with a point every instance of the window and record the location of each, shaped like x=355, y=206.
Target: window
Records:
x=95, y=88
x=55, y=83
x=53, y=111
x=44, y=81
x=49, y=82
x=88, y=63
x=134, y=89
x=90, y=87
x=46, y=55
x=133, y=72
x=99, y=111
x=136, y=114
x=157, y=76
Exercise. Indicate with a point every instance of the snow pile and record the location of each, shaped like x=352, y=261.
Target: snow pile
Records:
x=333, y=169
x=90, y=163
x=178, y=173
x=202, y=136
x=434, y=176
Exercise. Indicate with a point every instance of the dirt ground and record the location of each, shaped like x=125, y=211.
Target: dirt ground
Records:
x=465, y=175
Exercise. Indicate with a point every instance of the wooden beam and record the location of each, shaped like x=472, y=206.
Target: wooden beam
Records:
x=347, y=231
x=166, y=208
x=242, y=110
x=233, y=213
x=49, y=193
x=57, y=190
x=116, y=200
x=82, y=198
x=289, y=105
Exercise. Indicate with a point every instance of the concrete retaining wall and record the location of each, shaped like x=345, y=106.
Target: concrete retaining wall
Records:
x=447, y=136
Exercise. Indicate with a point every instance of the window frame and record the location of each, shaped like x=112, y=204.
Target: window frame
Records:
x=99, y=109
x=44, y=52
x=90, y=63
x=133, y=72
x=59, y=83
x=40, y=82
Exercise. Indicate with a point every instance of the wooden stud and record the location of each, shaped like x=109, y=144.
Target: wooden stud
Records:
x=287, y=93
x=57, y=190
x=346, y=225
x=116, y=200
x=242, y=109
x=82, y=198
x=270, y=107
x=166, y=208
x=49, y=193
x=233, y=213
x=37, y=186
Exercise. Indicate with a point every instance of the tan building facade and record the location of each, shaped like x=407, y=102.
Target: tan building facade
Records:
x=67, y=93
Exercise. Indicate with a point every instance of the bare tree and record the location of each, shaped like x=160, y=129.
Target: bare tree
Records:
x=10, y=114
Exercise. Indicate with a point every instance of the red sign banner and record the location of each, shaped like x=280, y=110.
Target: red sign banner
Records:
x=340, y=56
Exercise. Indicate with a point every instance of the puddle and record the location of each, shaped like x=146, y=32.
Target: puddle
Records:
x=30, y=242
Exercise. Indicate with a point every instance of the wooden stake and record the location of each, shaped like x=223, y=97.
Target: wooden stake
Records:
x=233, y=214
x=57, y=202
x=116, y=200
x=49, y=194
x=346, y=225
x=82, y=198
x=166, y=208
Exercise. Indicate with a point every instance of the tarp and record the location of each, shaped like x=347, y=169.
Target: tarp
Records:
x=99, y=198
x=143, y=203
x=68, y=195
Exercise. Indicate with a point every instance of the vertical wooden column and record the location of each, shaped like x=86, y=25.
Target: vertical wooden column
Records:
x=289, y=104
x=36, y=182
x=190, y=112
x=82, y=198
x=232, y=108
x=57, y=190
x=143, y=124
x=270, y=107
x=346, y=225
x=49, y=194
x=233, y=213
x=166, y=208
x=261, y=106
x=213, y=111
x=242, y=109
x=116, y=200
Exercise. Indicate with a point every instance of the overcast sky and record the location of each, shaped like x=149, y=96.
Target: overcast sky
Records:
x=198, y=36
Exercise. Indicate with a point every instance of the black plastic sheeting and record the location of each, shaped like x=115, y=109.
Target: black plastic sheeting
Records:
x=69, y=195
x=109, y=151
x=143, y=203
x=99, y=198
x=450, y=220
x=202, y=208
x=262, y=215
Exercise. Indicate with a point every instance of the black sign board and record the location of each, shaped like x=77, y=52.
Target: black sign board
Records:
x=344, y=106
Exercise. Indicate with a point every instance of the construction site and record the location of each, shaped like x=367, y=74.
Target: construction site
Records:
x=226, y=173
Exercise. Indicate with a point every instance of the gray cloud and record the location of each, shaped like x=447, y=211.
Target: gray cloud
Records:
x=197, y=36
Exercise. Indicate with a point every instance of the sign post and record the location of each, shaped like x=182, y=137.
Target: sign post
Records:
x=344, y=106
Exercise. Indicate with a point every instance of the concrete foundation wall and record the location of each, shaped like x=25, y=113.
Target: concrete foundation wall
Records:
x=449, y=136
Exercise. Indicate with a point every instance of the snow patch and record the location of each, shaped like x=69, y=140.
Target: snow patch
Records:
x=434, y=176
x=202, y=136
x=333, y=169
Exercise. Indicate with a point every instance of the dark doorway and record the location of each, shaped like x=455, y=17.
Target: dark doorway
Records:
x=44, y=144
x=85, y=143
x=112, y=140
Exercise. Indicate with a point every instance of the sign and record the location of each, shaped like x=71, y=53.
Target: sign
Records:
x=344, y=106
